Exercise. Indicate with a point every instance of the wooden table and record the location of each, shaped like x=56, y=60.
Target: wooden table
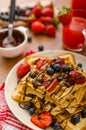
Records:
x=49, y=43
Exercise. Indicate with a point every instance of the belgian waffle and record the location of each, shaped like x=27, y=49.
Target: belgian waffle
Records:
x=65, y=99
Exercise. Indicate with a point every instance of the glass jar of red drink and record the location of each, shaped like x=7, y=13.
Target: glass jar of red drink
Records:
x=74, y=34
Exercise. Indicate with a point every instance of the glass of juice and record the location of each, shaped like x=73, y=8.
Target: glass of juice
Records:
x=74, y=34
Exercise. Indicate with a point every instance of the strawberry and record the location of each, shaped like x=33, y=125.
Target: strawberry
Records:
x=40, y=63
x=30, y=53
x=38, y=27
x=35, y=120
x=47, y=12
x=42, y=120
x=46, y=20
x=23, y=69
x=52, y=86
x=32, y=18
x=77, y=78
x=51, y=30
x=36, y=10
x=65, y=16
x=46, y=118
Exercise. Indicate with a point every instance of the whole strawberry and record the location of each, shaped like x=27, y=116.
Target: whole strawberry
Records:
x=51, y=30
x=65, y=16
x=22, y=70
x=37, y=27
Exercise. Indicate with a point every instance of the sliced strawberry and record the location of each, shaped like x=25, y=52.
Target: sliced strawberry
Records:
x=32, y=18
x=77, y=78
x=52, y=86
x=65, y=16
x=46, y=118
x=23, y=69
x=42, y=120
x=35, y=120
x=40, y=62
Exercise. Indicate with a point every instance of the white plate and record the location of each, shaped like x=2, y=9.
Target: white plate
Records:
x=11, y=83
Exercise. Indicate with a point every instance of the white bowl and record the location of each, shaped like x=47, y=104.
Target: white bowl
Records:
x=15, y=51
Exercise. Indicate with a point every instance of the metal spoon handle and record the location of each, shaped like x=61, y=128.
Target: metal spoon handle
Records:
x=12, y=10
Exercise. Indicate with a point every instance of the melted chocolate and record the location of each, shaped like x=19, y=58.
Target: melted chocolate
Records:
x=17, y=35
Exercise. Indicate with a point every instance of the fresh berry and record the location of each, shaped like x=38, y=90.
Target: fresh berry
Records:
x=50, y=71
x=83, y=113
x=76, y=77
x=68, y=84
x=57, y=67
x=40, y=47
x=42, y=120
x=52, y=86
x=22, y=70
x=36, y=10
x=79, y=65
x=46, y=118
x=46, y=20
x=75, y=119
x=47, y=12
x=40, y=62
x=28, y=105
x=56, y=126
x=38, y=27
x=29, y=38
x=65, y=16
x=32, y=74
x=65, y=68
x=51, y=30
x=32, y=18
x=59, y=77
x=30, y=53
x=31, y=111
x=35, y=120
x=52, y=64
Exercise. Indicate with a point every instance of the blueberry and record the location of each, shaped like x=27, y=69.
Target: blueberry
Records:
x=31, y=111
x=83, y=113
x=32, y=75
x=75, y=119
x=29, y=38
x=79, y=65
x=31, y=95
x=52, y=65
x=17, y=10
x=59, y=77
x=65, y=68
x=56, y=126
x=28, y=105
x=4, y=17
x=57, y=67
x=40, y=48
x=50, y=71
x=68, y=84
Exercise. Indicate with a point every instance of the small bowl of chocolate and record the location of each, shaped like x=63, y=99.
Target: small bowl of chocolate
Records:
x=14, y=49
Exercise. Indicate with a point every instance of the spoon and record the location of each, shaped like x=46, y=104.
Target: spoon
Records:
x=9, y=41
